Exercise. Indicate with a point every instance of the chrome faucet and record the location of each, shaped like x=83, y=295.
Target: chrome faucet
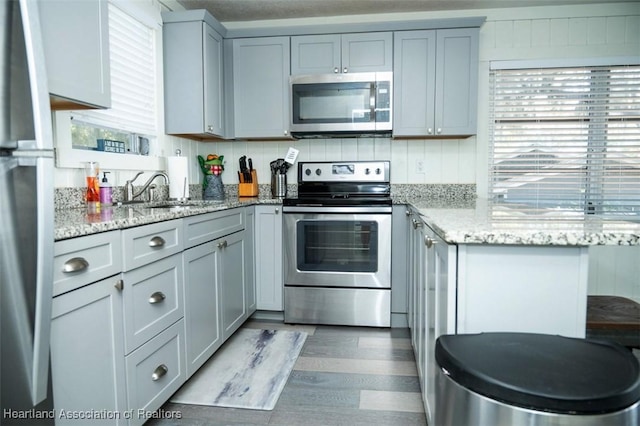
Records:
x=129, y=194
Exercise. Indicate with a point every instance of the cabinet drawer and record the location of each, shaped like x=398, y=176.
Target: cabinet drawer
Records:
x=155, y=372
x=202, y=228
x=83, y=260
x=149, y=243
x=153, y=300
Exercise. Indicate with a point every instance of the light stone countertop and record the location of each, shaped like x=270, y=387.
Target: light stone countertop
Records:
x=77, y=222
x=457, y=221
x=481, y=222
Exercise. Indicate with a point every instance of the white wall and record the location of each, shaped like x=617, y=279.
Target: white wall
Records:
x=586, y=31
x=615, y=270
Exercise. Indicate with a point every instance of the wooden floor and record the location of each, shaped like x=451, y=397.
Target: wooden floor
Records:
x=344, y=376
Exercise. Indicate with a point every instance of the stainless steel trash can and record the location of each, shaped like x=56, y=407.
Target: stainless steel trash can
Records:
x=535, y=380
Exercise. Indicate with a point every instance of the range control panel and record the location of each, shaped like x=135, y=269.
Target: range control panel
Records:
x=344, y=171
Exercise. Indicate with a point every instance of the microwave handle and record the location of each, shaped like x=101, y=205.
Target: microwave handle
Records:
x=372, y=101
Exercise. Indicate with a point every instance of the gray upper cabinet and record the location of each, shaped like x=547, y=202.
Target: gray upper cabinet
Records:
x=193, y=76
x=346, y=53
x=435, y=82
x=260, y=87
x=76, y=46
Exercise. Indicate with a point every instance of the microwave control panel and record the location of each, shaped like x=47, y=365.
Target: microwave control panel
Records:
x=344, y=171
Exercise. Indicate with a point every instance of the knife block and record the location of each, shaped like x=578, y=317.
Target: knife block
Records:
x=249, y=189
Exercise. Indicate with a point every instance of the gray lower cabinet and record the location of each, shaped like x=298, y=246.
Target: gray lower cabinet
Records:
x=76, y=47
x=342, y=53
x=87, y=352
x=153, y=301
x=258, y=76
x=202, y=298
x=218, y=282
x=432, y=301
x=232, y=283
x=399, y=266
x=193, y=75
x=250, y=261
x=435, y=82
x=269, y=260
x=135, y=314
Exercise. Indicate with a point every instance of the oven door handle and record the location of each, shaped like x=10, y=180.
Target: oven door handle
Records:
x=343, y=209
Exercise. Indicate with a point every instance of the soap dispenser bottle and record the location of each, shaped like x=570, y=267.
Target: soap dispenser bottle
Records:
x=106, y=192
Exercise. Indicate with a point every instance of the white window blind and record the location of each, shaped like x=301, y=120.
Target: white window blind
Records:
x=566, y=138
x=133, y=78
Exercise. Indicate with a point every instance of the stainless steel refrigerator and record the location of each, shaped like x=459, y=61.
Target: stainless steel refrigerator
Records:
x=26, y=216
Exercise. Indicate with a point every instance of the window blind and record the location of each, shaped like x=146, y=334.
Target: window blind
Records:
x=133, y=78
x=566, y=138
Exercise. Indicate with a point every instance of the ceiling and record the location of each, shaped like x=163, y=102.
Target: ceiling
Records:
x=257, y=10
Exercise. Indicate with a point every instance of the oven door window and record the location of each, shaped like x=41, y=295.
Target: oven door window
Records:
x=337, y=245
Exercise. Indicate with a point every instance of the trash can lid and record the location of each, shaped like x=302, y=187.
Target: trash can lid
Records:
x=543, y=372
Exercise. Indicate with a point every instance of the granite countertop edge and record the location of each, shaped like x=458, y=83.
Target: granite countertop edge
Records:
x=456, y=221
x=78, y=222
x=481, y=222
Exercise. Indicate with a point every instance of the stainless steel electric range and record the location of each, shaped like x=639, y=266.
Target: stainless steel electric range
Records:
x=337, y=245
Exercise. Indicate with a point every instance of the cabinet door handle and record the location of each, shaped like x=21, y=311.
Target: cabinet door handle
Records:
x=222, y=244
x=156, y=242
x=439, y=130
x=277, y=210
x=210, y=127
x=429, y=131
x=345, y=70
x=76, y=264
x=429, y=242
x=336, y=70
x=160, y=371
x=407, y=212
x=119, y=285
x=416, y=224
x=157, y=297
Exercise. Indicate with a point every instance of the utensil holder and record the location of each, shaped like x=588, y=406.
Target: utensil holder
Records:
x=278, y=185
x=249, y=189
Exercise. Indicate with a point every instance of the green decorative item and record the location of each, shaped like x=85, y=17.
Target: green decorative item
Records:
x=212, y=168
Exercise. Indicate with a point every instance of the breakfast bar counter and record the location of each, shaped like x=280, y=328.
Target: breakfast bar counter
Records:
x=482, y=222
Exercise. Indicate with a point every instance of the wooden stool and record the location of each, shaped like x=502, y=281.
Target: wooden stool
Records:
x=614, y=318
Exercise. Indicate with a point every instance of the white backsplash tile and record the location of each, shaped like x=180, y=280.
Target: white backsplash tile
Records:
x=445, y=160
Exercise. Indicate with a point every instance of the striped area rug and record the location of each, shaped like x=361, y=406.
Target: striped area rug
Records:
x=249, y=371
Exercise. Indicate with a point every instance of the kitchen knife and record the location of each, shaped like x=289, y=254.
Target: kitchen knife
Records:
x=243, y=168
x=250, y=170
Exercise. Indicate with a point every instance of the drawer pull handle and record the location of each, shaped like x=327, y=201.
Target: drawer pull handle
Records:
x=119, y=285
x=416, y=224
x=76, y=264
x=160, y=371
x=156, y=242
x=429, y=242
x=157, y=297
x=222, y=244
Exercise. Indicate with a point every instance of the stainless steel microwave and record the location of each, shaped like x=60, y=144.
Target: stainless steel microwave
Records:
x=341, y=104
